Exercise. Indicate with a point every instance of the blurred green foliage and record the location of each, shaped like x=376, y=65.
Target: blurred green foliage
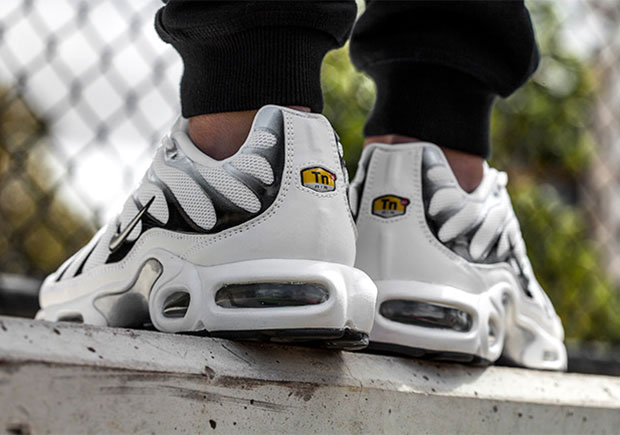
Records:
x=541, y=137
x=349, y=96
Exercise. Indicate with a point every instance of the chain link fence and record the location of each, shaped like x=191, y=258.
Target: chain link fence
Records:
x=603, y=183
x=87, y=89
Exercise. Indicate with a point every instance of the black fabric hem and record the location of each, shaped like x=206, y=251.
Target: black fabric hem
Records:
x=431, y=103
x=242, y=55
x=246, y=70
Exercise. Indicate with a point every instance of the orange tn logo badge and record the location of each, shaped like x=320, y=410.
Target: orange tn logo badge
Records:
x=318, y=179
x=388, y=206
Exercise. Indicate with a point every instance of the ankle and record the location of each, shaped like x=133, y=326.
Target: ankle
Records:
x=468, y=168
x=220, y=135
x=390, y=139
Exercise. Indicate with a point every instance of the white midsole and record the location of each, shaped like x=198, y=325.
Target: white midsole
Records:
x=496, y=305
x=351, y=302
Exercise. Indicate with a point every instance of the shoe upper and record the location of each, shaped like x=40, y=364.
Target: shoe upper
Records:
x=283, y=195
x=416, y=223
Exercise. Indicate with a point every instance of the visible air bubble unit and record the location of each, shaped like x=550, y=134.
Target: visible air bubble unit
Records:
x=176, y=305
x=271, y=294
x=492, y=333
x=73, y=318
x=426, y=315
x=550, y=355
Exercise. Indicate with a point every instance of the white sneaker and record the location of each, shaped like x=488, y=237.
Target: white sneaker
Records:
x=258, y=246
x=451, y=268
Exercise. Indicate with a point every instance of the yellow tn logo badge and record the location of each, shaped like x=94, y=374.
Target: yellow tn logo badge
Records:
x=388, y=206
x=318, y=179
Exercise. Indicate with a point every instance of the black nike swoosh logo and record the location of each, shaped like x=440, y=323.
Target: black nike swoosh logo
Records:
x=117, y=239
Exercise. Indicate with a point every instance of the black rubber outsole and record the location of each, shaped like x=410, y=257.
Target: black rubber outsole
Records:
x=426, y=354
x=329, y=338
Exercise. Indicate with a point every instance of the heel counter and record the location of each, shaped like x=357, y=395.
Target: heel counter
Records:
x=310, y=218
x=390, y=210
x=316, y=199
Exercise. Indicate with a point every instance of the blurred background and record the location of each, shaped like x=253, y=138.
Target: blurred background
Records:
x=87, y=89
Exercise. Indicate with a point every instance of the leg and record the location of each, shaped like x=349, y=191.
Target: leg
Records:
x=437, y=232
x=242, y=55
x=438, y=66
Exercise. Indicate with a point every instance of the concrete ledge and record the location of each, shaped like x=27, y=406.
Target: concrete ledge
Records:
x=65, y=378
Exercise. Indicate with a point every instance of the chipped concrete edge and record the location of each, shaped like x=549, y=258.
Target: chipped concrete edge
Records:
x=74, y=378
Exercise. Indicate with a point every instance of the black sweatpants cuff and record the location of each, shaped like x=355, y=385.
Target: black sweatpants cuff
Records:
x=431, y=103
x=246, y=70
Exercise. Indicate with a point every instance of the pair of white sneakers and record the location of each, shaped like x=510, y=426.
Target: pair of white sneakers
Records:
x=273, y=244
